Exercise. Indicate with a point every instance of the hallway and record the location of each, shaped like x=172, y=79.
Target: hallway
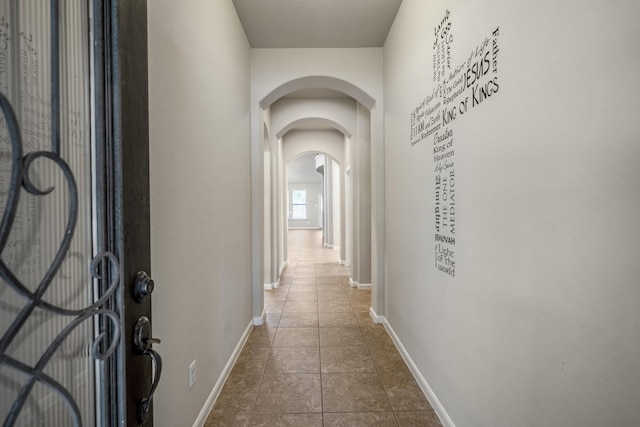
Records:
x=319, y=360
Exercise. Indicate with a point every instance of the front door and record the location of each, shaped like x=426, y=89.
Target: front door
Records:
x=75, y=331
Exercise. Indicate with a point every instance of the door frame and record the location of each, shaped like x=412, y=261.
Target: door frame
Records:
x=121, y=73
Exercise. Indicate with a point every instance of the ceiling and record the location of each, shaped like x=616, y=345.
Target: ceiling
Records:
x=302, y=170
x=316, y=23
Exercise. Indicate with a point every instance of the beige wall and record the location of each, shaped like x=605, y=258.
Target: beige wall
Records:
x=540, y=324
x=199, y=117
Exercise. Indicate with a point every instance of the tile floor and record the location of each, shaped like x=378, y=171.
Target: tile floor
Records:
x=319, y=360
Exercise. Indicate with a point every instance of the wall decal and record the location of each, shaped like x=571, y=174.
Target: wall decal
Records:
x=458, y=89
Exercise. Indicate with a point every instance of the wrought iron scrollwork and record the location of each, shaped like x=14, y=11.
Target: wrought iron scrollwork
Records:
x=104, y=344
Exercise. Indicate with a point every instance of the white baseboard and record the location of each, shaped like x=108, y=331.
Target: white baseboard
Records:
x=355, y=284
x=271, y=286
x=375, y=317
x=258, y=321
x=422, y=382
x=213, y=396
x=282, y=267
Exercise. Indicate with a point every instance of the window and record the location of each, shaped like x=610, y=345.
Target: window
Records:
x=299, y=204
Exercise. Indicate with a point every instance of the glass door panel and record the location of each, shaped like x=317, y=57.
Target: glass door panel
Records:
x=47, y=310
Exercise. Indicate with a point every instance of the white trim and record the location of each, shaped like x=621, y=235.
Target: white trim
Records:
x=375, y=317
x=355, y=284
x=304, y=228
x=422, y=382
x=271, y=286
x=213, y=396
x=328, y=245
x=342, y=261
x=284, y=265
x=258, y=321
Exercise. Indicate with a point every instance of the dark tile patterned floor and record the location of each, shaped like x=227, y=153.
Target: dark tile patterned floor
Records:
x=319, y=360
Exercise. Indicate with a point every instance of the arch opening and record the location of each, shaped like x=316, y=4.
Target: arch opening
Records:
x=319, y=82
x=314, y=123
x=354, y=170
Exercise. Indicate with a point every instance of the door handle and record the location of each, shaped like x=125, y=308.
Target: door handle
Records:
x=142, y=341
x=144, y=404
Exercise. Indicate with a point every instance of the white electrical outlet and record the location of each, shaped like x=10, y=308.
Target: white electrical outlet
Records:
x=192, y=374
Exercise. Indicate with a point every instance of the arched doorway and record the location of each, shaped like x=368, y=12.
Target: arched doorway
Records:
x=356, y=137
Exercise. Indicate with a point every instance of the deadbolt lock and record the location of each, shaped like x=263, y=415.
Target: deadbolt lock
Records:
x=143, y=286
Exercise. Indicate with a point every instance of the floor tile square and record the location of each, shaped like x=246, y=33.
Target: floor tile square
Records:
x=286, y=420
x=238, y=395
x=289, y=393
x=303, y=288
x=335, y=306
x=353, y=393
x=376, y=336
x=260, y=337
x=299, y=320
x=346, y=359
x=341, y=337
x=332, y=293
x=360, y=306
x=361, y=295
x=328, y=280
x=303, y=281
x=364, y=318
x=418, y=419
x=221, y=419
x=336, y=319
x=360, y=419
x=275, y=295
x=403, y=392
x=251, y=361
x=388, y=359
x=273, y=306
x=300, y=307
x=296, y=337
x=272, y=320
x=293, y=360
x=294, y=295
